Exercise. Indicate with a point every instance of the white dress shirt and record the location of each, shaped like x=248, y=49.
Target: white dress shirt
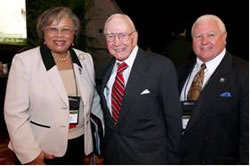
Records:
x=108, y=89
x=211, y=66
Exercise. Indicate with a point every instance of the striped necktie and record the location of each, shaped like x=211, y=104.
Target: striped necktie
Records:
x=118, y=92
x=196, y=86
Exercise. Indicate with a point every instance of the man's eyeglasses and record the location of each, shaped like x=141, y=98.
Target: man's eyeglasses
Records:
x=62, y=30
x=121, y=36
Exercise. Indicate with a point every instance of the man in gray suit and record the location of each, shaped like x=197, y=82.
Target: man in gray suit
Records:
x=147, y=126
x=215, y=122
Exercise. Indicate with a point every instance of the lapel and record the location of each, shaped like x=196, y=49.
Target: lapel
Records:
x=83, y=79
x=53, y=72
x=212, y=89
x=184, y=74
x=138, y=77
x=103, y=99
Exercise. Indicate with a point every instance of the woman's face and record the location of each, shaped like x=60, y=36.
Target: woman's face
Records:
x=59, y=36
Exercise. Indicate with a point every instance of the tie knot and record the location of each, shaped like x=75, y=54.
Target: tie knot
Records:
x=203, y=66
x=121, y=67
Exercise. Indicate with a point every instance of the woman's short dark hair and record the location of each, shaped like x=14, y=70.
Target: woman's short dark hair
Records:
x=52, y=14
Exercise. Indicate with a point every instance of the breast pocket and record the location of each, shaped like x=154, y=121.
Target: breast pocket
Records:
x=225, y=103
x=40, y=130
x=39, y=124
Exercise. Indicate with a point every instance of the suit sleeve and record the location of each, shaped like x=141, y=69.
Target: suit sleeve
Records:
x=244, y=120
x=172, y=112
x=96, y=107
x=16, y=112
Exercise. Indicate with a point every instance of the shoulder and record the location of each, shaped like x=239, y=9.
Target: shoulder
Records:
x=154, y=58
x=239, y=63
x=86, y=61
x=84, y=58
x=240, y=70
x=155, y=64
x=82, y=55
x=235, y=64
x=29, y=53
x=27, y=57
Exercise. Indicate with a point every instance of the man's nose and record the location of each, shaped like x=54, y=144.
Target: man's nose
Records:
x=117, y=39
x=204, y=40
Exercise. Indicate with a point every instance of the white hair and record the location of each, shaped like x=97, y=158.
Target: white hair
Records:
x=210, y=17
x=121, y=16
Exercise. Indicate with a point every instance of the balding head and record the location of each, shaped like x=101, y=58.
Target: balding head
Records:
x=121, y=36
x=121, y=18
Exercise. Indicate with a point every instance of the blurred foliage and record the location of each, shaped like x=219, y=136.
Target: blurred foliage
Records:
x=35, y=7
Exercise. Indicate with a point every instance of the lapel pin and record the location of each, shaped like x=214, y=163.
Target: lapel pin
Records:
x=82, y=56
x=222, y=80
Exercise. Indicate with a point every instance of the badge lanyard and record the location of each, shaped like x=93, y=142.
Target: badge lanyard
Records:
x=74, y=104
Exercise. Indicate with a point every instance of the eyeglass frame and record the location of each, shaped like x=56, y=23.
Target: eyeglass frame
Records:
x=63, y=30
x=121, y=36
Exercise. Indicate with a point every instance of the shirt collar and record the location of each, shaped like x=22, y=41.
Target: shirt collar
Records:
x=212, y=64
x=130, y=60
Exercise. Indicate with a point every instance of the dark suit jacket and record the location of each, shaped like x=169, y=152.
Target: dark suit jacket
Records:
x=149, y=127
x=217, y=132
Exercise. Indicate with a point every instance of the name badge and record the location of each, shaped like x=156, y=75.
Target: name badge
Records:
x=185, y=120
x=187, y=107
x=74, y=104
x=73, y=116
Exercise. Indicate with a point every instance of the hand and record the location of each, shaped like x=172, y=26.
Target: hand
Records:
x=40, y=159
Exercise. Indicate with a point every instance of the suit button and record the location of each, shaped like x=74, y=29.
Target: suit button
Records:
x=203, y=162
x=206, y=138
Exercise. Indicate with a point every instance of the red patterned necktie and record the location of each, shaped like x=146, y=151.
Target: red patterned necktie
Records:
x=196, y=86
x=118, y=92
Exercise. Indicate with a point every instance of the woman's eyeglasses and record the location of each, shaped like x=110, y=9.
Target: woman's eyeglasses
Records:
x=62, y=30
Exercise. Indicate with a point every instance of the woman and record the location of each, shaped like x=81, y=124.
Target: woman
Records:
x=50, y=94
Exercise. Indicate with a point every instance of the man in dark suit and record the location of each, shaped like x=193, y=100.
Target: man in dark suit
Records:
x=147, y=127
x=215, y=121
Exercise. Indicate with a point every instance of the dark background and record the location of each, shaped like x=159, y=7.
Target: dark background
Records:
x=154, y=20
